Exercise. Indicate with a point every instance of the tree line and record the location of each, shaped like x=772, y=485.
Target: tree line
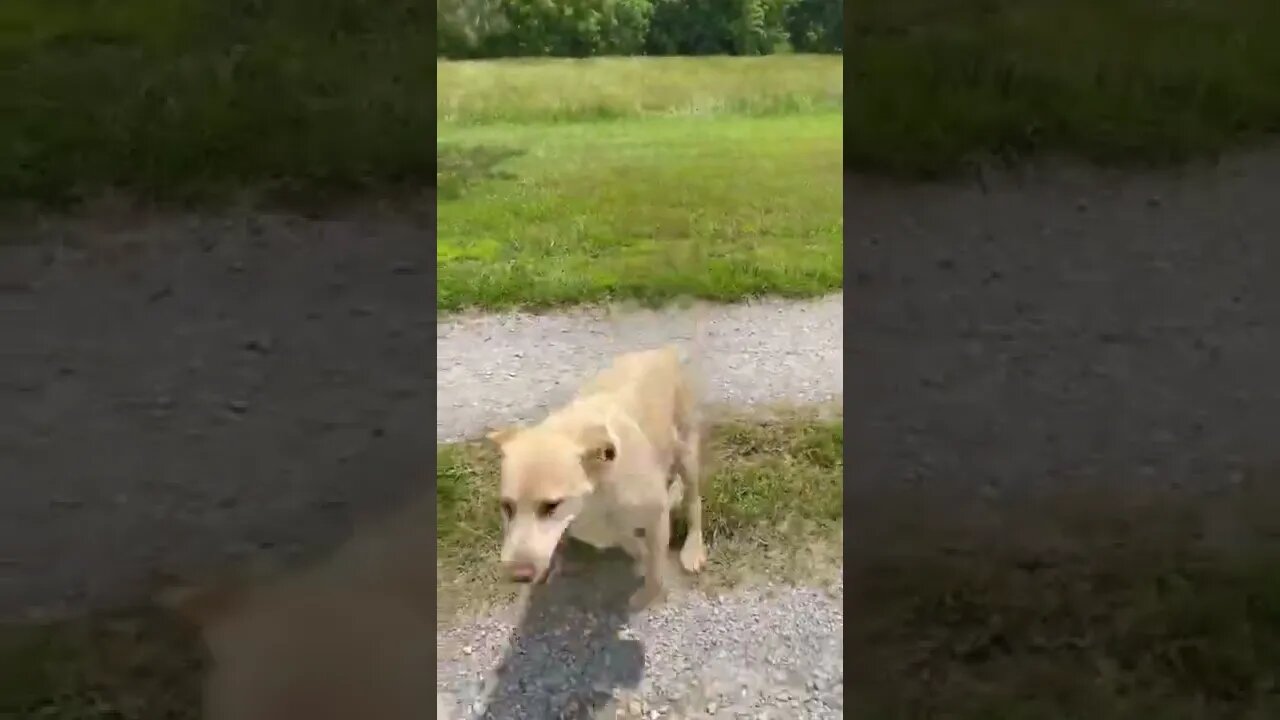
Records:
x=587, y=28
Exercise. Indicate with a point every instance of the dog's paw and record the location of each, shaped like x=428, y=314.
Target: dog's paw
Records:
x=693, y=556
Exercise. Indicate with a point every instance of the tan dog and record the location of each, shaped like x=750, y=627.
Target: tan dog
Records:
x=601, y=466
x=349, y=638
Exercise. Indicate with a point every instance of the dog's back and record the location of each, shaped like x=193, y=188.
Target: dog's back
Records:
x=652, y=388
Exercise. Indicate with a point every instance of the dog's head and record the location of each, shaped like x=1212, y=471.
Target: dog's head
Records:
x=547, y=475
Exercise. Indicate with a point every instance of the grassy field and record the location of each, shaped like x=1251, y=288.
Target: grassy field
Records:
x=551, y=90
x=938, y=84
x=567, y=182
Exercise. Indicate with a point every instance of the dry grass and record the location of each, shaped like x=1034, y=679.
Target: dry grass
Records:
x=558, y=90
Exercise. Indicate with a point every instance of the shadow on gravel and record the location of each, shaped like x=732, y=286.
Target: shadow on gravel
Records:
x=568, y=655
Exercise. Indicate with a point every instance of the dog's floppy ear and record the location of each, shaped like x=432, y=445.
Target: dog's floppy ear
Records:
x=502, y=436
x=202, y=606
x=599, y=444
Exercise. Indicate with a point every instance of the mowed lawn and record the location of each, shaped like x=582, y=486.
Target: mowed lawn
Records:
x=571, y=182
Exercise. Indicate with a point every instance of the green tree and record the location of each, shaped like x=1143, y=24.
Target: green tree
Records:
x=816, y=25
x=463, y=26
x=717, y=27
x=571, y=28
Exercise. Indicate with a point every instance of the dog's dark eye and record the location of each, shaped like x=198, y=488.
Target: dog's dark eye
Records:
x=546, y=508
x=508, y=509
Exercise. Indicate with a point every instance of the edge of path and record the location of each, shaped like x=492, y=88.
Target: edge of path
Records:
x=498, y=368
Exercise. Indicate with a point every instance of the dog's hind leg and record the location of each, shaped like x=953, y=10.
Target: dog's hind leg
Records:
x=693, y=555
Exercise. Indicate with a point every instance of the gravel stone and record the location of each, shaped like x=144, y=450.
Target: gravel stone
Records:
x=571, y=650
x=497, y=369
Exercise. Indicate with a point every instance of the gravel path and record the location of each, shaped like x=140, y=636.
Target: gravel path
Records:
x=572, y=652
x=496, y=369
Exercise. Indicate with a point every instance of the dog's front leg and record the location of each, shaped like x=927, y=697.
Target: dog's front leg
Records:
x=657, y=536
x=693, y=556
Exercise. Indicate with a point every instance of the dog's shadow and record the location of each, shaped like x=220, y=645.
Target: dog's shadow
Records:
x=570, y=653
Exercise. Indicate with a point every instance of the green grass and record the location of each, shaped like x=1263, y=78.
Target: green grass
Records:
x=542, y=91
x=937, y=85
x=646, y=179
x=646, y=209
